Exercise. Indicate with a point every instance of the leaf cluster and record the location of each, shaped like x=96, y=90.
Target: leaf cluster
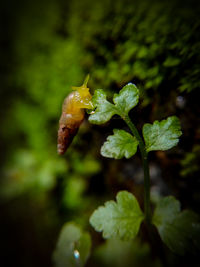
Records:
x=180, y=231
x=161, y=135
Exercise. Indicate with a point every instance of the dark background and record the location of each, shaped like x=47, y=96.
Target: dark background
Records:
x=49, y=46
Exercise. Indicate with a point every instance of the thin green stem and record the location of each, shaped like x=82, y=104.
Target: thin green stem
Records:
x=145, y=166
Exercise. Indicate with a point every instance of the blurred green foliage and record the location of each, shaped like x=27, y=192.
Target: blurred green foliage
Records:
x=73, y=247
x=190, y=163
x=51, y=45
x=136, y=40
x=119, y=253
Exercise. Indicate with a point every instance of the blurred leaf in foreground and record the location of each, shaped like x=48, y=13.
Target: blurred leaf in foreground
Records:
x=73, y=247
x=180, y=231
x=118, y=253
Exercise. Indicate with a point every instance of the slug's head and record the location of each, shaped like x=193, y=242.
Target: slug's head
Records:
x=83, y=95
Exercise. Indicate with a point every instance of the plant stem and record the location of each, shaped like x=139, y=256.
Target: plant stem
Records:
x=145, y=167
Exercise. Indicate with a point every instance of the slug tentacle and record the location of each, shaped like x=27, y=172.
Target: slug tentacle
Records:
x=73, y=115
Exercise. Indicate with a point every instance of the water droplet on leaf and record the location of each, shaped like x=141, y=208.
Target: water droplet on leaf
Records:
x=76, y=254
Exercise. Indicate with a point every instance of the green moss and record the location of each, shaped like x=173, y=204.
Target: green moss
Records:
x=128, y=41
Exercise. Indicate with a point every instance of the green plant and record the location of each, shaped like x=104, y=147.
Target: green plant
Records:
x=122, y=219
x=179, y=230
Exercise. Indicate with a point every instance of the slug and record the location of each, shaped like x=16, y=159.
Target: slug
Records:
x=73, y=114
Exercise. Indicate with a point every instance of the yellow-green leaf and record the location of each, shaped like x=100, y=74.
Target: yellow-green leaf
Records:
x=162, y=135
x=104, y=109
x=127, y=98
x=120, y=219
x=119, y=145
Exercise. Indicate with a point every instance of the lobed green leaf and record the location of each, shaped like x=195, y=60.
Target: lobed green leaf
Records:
x=127, y=98
x=104, y=109
x=180, y=231
x=73, y=247
x=162, y=135
x=119, y=219
x=124, y=101
x=119, y=145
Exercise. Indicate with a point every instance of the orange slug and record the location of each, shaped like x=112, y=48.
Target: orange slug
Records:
x=73, y=115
